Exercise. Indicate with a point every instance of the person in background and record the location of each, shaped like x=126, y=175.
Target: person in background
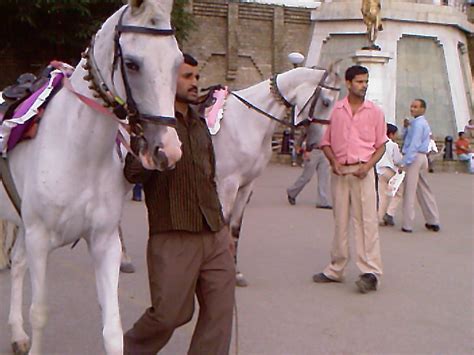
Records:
x=415, y=163
x=386, y=168
x=432, y=150
x=353, y=143
x=463, y=151
x=137, y=192
x=469, y=130
x=315, y=162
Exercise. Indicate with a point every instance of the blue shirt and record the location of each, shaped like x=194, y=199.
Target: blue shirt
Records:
x=417, y=139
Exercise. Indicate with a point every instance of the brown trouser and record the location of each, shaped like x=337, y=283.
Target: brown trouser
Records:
x=416, y=186
x=181, y=264
x=356, y=199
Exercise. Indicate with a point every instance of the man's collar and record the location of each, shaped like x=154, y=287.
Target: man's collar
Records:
x=345, y=103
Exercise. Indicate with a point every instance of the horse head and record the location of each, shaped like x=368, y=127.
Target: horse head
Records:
x=136, y=56
x=313, y=91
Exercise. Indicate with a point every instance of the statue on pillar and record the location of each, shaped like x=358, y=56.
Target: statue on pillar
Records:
x=372, y=19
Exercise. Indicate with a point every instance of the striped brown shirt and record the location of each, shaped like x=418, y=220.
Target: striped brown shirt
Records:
x=186, y=197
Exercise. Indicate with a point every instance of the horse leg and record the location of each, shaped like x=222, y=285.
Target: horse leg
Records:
x=14, y=234
x=243, y=198
x=126, y=264
x=37, y=251
x=3, y=247
x=105, y=250
x=19, y=339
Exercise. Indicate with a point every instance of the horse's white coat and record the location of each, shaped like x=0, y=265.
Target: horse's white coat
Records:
x=70, y=177
x=243, y=145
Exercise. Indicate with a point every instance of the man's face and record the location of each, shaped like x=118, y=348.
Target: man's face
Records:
x=416, y=108
x=187, y=89
x=358, y=85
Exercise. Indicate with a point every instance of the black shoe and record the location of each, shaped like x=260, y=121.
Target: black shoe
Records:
x=322, y=279
x=433, y=227
x=407, y=230
x=326, y=207
x=291, y=200
x=388, y=220
x=366, y=283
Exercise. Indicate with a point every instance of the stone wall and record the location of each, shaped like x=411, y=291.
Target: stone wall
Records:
x=239, y=44
x=428, y=57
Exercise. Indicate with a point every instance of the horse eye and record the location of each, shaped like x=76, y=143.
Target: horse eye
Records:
x=132, y=66
x=326, y=102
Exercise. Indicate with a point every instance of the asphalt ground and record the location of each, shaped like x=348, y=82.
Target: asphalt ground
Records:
x=423, y=306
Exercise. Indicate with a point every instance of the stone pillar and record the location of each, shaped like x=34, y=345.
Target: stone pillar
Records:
x=278, y=39
x=375, y=61
x=232, y=41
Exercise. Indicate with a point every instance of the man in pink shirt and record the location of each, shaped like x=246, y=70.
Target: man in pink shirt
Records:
x=353, y=143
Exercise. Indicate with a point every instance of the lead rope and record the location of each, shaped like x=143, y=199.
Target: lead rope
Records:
x=236, y=327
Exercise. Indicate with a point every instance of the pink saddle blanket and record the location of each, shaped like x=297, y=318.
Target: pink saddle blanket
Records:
x=25, y=117
x=214, y=113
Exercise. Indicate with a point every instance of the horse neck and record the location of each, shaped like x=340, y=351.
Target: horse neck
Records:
x=82, y=123
x=89, y=119
x=288, y=82
x=262, y=97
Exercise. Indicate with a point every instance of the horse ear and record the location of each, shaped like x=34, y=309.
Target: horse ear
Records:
x=135, y=4
x=334, y=67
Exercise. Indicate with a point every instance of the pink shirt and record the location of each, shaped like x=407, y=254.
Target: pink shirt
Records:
x=354, y=139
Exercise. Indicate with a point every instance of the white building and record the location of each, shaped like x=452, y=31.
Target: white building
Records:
x=426, y=41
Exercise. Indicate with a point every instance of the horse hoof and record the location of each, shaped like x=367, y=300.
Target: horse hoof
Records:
x=127, y=268
x=21, y=347
x=240, y=280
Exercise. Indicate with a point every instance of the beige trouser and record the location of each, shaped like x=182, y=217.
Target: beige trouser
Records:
x=387, y=204
x=416, y=184
x=354, y=198
x=181, y=264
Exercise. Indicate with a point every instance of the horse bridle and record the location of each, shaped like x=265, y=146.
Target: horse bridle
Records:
x=313, y=99
x=123, y=109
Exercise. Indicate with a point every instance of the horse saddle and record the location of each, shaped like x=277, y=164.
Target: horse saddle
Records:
x=211, y=105
x=25, y=85
x=24, y=104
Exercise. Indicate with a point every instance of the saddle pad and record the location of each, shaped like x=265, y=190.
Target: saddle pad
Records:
x=214, y=113
x=14, y=130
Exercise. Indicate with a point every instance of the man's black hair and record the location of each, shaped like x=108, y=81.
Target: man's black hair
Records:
x=460, y=134
x=422, y=102
x=190, y=60
x=391, y=128
x=351, y=72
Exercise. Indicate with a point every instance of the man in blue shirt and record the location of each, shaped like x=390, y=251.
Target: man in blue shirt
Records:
x=415, y=163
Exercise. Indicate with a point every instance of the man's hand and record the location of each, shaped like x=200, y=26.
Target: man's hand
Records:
x=336, y=167
x=362, y=171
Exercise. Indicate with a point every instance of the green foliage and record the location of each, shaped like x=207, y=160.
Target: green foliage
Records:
x=182, y=20
x=62, y=28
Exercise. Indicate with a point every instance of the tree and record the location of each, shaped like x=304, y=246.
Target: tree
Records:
x=36, y=31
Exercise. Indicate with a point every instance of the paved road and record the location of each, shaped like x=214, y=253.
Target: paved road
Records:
x=424, y=306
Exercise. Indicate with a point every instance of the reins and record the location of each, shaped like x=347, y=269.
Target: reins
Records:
x=311, y=101
x=259, y=110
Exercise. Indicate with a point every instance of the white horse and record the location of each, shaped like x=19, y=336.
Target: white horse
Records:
x=70, y=178
x=243, y=144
